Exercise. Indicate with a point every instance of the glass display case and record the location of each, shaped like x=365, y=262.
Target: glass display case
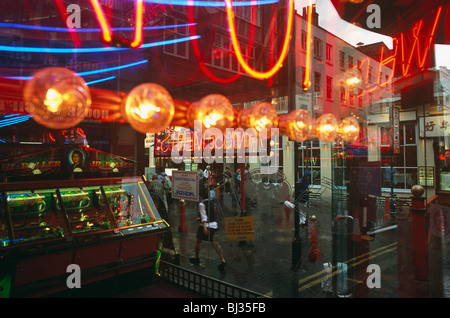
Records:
x=79, y=212
x=30, y=217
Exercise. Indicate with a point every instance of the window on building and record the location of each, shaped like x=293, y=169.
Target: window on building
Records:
x=342, y=59
x=328, y=53
x=318, y=50
x=350, y=62
x=310, y=159
x=329, y=87
x=179, y=49
x=342, y=97
x=304, y=39
x=404, y=159
x=317, y=82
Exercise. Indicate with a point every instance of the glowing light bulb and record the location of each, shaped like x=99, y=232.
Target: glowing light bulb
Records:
x=260, y=116
x=213, y=111
x=57, y=98
x=149, y=108
x=349, y=129
x=326, y=127
x=296, y=125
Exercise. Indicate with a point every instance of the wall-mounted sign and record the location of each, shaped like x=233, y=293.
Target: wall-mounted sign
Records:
x=434, y=126
x=426, y=176
x=240, y=228
x=185, y=185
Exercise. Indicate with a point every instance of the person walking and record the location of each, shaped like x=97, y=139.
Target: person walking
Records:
x=302, y=195
x=227, y=180
x=237, y=180
x=206, y=229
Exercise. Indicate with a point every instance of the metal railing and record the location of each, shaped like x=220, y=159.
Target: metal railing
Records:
x=203, y=285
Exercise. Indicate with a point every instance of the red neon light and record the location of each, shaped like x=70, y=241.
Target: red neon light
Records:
x=417, y=53
x=198, y=53
x=386, y=61
x=416, y=45
x=237, y=48
x=307, y=79
x=107, y=32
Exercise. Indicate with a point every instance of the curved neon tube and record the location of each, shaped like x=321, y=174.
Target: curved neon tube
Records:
x=307, y=79
x=107, y=32
x=138, y=31
x=197, y=53
x=237, y=48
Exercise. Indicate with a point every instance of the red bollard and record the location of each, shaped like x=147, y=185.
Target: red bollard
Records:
x=419, y=233
x=183, y=226
x=314, y=252
x=387, y=210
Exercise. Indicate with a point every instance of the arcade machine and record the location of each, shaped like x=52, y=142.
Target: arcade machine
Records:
x=93, y=217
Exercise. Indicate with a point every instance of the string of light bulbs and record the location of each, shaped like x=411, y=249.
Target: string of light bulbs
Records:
x=59, y=98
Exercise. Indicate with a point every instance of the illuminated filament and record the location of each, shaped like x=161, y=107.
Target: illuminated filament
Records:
x=326, y=128
x=211, y=120
x=261, y=123
x=53, y=100
x=146, y=111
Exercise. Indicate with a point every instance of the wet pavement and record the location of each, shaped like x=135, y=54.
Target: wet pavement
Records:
x=264, y=264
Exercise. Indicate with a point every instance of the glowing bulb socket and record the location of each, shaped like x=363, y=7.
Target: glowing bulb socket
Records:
x=57, y=97
x=149, y=108
x=213, y=111
x=296, y=125
x=349, y=129
x=260, y=116
x=326, y=128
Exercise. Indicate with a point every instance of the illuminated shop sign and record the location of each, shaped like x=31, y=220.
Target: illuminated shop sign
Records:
x=172, y=138
x=65, y=160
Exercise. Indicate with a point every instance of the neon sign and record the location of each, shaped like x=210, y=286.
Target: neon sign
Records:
x=237, y=48
x=138, y=23
x=400, y=62
x=172, y=139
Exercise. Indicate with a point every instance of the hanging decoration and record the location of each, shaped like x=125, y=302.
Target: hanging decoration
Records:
x=59, y=98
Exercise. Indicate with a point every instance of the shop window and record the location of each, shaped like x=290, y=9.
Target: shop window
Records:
x=403, y=160
x=310, y=159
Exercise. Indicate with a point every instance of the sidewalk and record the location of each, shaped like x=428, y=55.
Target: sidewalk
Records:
x=263, y=265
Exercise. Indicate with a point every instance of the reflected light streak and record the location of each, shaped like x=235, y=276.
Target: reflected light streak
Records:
x=27, y=49
x=13, y=121
x=81, y=30
x=101, y=80
x=108, y=69
x=205, y=3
